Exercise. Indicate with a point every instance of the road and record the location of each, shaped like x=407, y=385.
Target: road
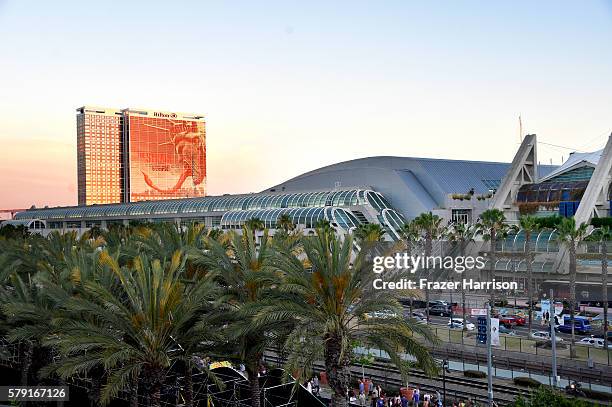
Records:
x=521, y=331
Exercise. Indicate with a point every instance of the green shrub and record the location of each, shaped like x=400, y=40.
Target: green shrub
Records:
x=597, y=395
x=475, y=374
x=526, y=382
x=544, y=396
x=549, y=222
x=599, y=222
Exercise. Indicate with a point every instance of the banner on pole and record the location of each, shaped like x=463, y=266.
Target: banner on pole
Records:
x=495, y=331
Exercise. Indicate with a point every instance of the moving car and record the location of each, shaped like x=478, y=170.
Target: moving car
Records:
x=596, y=342
x=543, y=336
x=457, y=323
x=518, y=320
x=508, y=320
x=581, y=325
x=442, y=310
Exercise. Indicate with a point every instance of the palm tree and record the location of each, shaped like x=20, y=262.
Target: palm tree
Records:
x=246, y=274
x=285, y=222
x=493, y=226
x=411, y=236
x=370, y=233
x=431, y=229
x=603, y=235
x=28, y=312
x=571, y=235
x=328, y=309
x=529, y=225
x=134, y=328
x=462, y=234
x=255, y=224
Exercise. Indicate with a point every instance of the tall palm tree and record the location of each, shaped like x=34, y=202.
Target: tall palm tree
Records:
x=431, y=228
x=529, y=225
x=493, y=226
x=328, y=309
x=370, y=233
x=246, y=274
x=571, y=235
x=134, y=328
x=285, y=222
x=411, y=236
x=462, y=234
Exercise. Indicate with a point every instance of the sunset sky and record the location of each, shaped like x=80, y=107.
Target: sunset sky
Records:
x=291, y=86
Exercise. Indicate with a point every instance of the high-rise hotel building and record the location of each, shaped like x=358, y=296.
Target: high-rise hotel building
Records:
x=129, y=155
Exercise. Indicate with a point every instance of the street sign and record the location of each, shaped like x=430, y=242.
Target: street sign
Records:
x=478, y=311
x=482, y=329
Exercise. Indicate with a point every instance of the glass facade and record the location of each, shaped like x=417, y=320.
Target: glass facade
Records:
x=130, y=156
x=99, y=156
x=306, y=217
x=167, y=157
x=552, y=191
x=342, y=208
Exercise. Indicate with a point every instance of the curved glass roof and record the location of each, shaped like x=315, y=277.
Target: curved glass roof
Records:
x=542, y=241
x=305, y=216
x=319, y=199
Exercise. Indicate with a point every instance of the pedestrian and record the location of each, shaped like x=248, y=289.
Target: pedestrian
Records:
x=316, y=387
x=426, y=399
x=416, y=396
x=409, y=393
x=370, y=387
x=380, y=402
x=375, y=393
x=362, y=399
x=309, y=386
x=361, y=387
x=404, y=401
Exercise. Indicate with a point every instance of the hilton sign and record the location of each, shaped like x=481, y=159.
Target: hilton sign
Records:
x=168, y=115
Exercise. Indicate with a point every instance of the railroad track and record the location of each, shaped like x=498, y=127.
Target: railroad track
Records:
x=456, y=387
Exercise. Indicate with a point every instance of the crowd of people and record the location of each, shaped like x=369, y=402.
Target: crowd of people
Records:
x=367, y=394
x=372, y=395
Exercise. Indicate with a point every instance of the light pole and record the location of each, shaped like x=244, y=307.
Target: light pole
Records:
x=489, y=358
x=444, y=367
x=553, y=339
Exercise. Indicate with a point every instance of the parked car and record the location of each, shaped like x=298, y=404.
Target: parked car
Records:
x=596, y=342
x=457, y=323
x=384, y=314
x=507, y=331
x=419, y=317
x=443, y=311
x=543, y=336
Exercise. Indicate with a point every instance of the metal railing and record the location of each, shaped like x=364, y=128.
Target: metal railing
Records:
x=526, y=345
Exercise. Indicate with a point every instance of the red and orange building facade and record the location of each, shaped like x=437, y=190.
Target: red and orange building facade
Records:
x=130, y=155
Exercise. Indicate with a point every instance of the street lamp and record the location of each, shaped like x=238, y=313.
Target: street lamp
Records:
x=444, y=368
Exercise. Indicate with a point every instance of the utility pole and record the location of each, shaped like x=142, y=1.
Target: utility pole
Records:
x=489, y=357
x=444, y=367
x=553, y=339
